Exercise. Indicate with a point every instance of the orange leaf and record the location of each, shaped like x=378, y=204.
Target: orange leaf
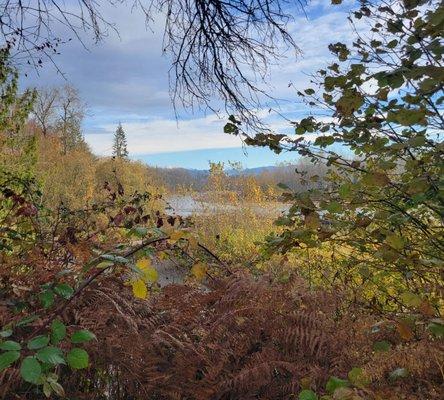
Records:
x=404, y=330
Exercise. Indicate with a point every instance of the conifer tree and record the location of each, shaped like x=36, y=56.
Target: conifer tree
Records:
x=17, y=147
x=119, y=146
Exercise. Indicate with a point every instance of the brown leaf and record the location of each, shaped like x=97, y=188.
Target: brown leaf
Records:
x=426, y=308
x=404, y=330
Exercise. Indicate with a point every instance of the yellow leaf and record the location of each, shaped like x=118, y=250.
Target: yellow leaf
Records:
x=376, y=179
x=167, y=229
x=199, y=270
x=139, y=289
x=193, y=243
x=143, y=263
x=104, y=264
x=411, y=299
x=150, y=275
x=395, y=241
x=306, y=382
x=176, y=235
x=312, y=220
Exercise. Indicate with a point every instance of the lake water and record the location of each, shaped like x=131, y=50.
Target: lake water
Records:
x=187, y=205
x=169, y=271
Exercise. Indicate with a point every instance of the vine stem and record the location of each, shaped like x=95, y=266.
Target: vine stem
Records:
x=209, y=252
x=91, y=279
x=99, y=272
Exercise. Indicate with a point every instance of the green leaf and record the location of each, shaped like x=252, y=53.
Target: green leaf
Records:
x=345, y=190
x=139, y=289
x=437, y=329
x=31, y=370
x=358, y=378
x=26, y=320
x=411, y=299
x=283, y=186
x=64, y=290
x=10, y=345
x=78, y=358
x=47, y=298
x=231, y=128
x=307, y=394
x=407, y=117
x=58, y=331
x=395, y=241
x=335, y=383
x=116, y=259
x=51, y=355
x=6, y=333
x=104, y=264
x=324, y=141
x=392, y=44
x=139, y=231
x=38, y=342
x=8, y=358
x=333, y=207
x=82, y=336
x=382, y=345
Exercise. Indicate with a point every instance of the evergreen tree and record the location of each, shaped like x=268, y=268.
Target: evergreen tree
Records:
x=119, y=147
x=17, y=145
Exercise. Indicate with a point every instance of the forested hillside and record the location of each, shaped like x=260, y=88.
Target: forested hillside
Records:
x=317, y=280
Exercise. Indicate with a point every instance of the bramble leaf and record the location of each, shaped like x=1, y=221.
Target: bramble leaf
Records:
x=382, y=345
x=31, y=370
x=8, y=358
x=82, y=336
x=58, y=331
x=51, y=355
x=10, y=345
x=78, y=358
x=38, y=342
x=307, y=394
x=47, y=298
x=64, y=290
x=139, y=288
x=334, y=383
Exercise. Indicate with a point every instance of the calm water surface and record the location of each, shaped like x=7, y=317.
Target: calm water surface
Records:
x=187, y=205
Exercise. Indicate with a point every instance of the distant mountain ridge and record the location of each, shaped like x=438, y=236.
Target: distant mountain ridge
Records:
x=230, y=172
x=266, y=176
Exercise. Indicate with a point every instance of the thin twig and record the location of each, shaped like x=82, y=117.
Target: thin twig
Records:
x=91, y=279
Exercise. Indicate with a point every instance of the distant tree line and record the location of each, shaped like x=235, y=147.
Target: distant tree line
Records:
x=300, y=175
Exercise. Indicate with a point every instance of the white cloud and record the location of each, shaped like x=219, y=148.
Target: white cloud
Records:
x=126, y=79
x=165, y=135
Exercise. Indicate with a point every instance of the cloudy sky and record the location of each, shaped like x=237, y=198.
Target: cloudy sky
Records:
x=125, y=78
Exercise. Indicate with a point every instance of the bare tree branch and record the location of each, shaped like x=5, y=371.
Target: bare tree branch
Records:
x=223, y=48
x=219, y=48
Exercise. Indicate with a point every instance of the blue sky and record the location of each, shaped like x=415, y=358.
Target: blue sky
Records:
x=125, y=79
x=199, y=159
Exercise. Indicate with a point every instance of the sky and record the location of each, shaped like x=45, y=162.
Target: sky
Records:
x=124, y=78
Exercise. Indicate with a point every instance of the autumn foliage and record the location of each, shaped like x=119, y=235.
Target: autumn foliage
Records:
x=342, y=300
